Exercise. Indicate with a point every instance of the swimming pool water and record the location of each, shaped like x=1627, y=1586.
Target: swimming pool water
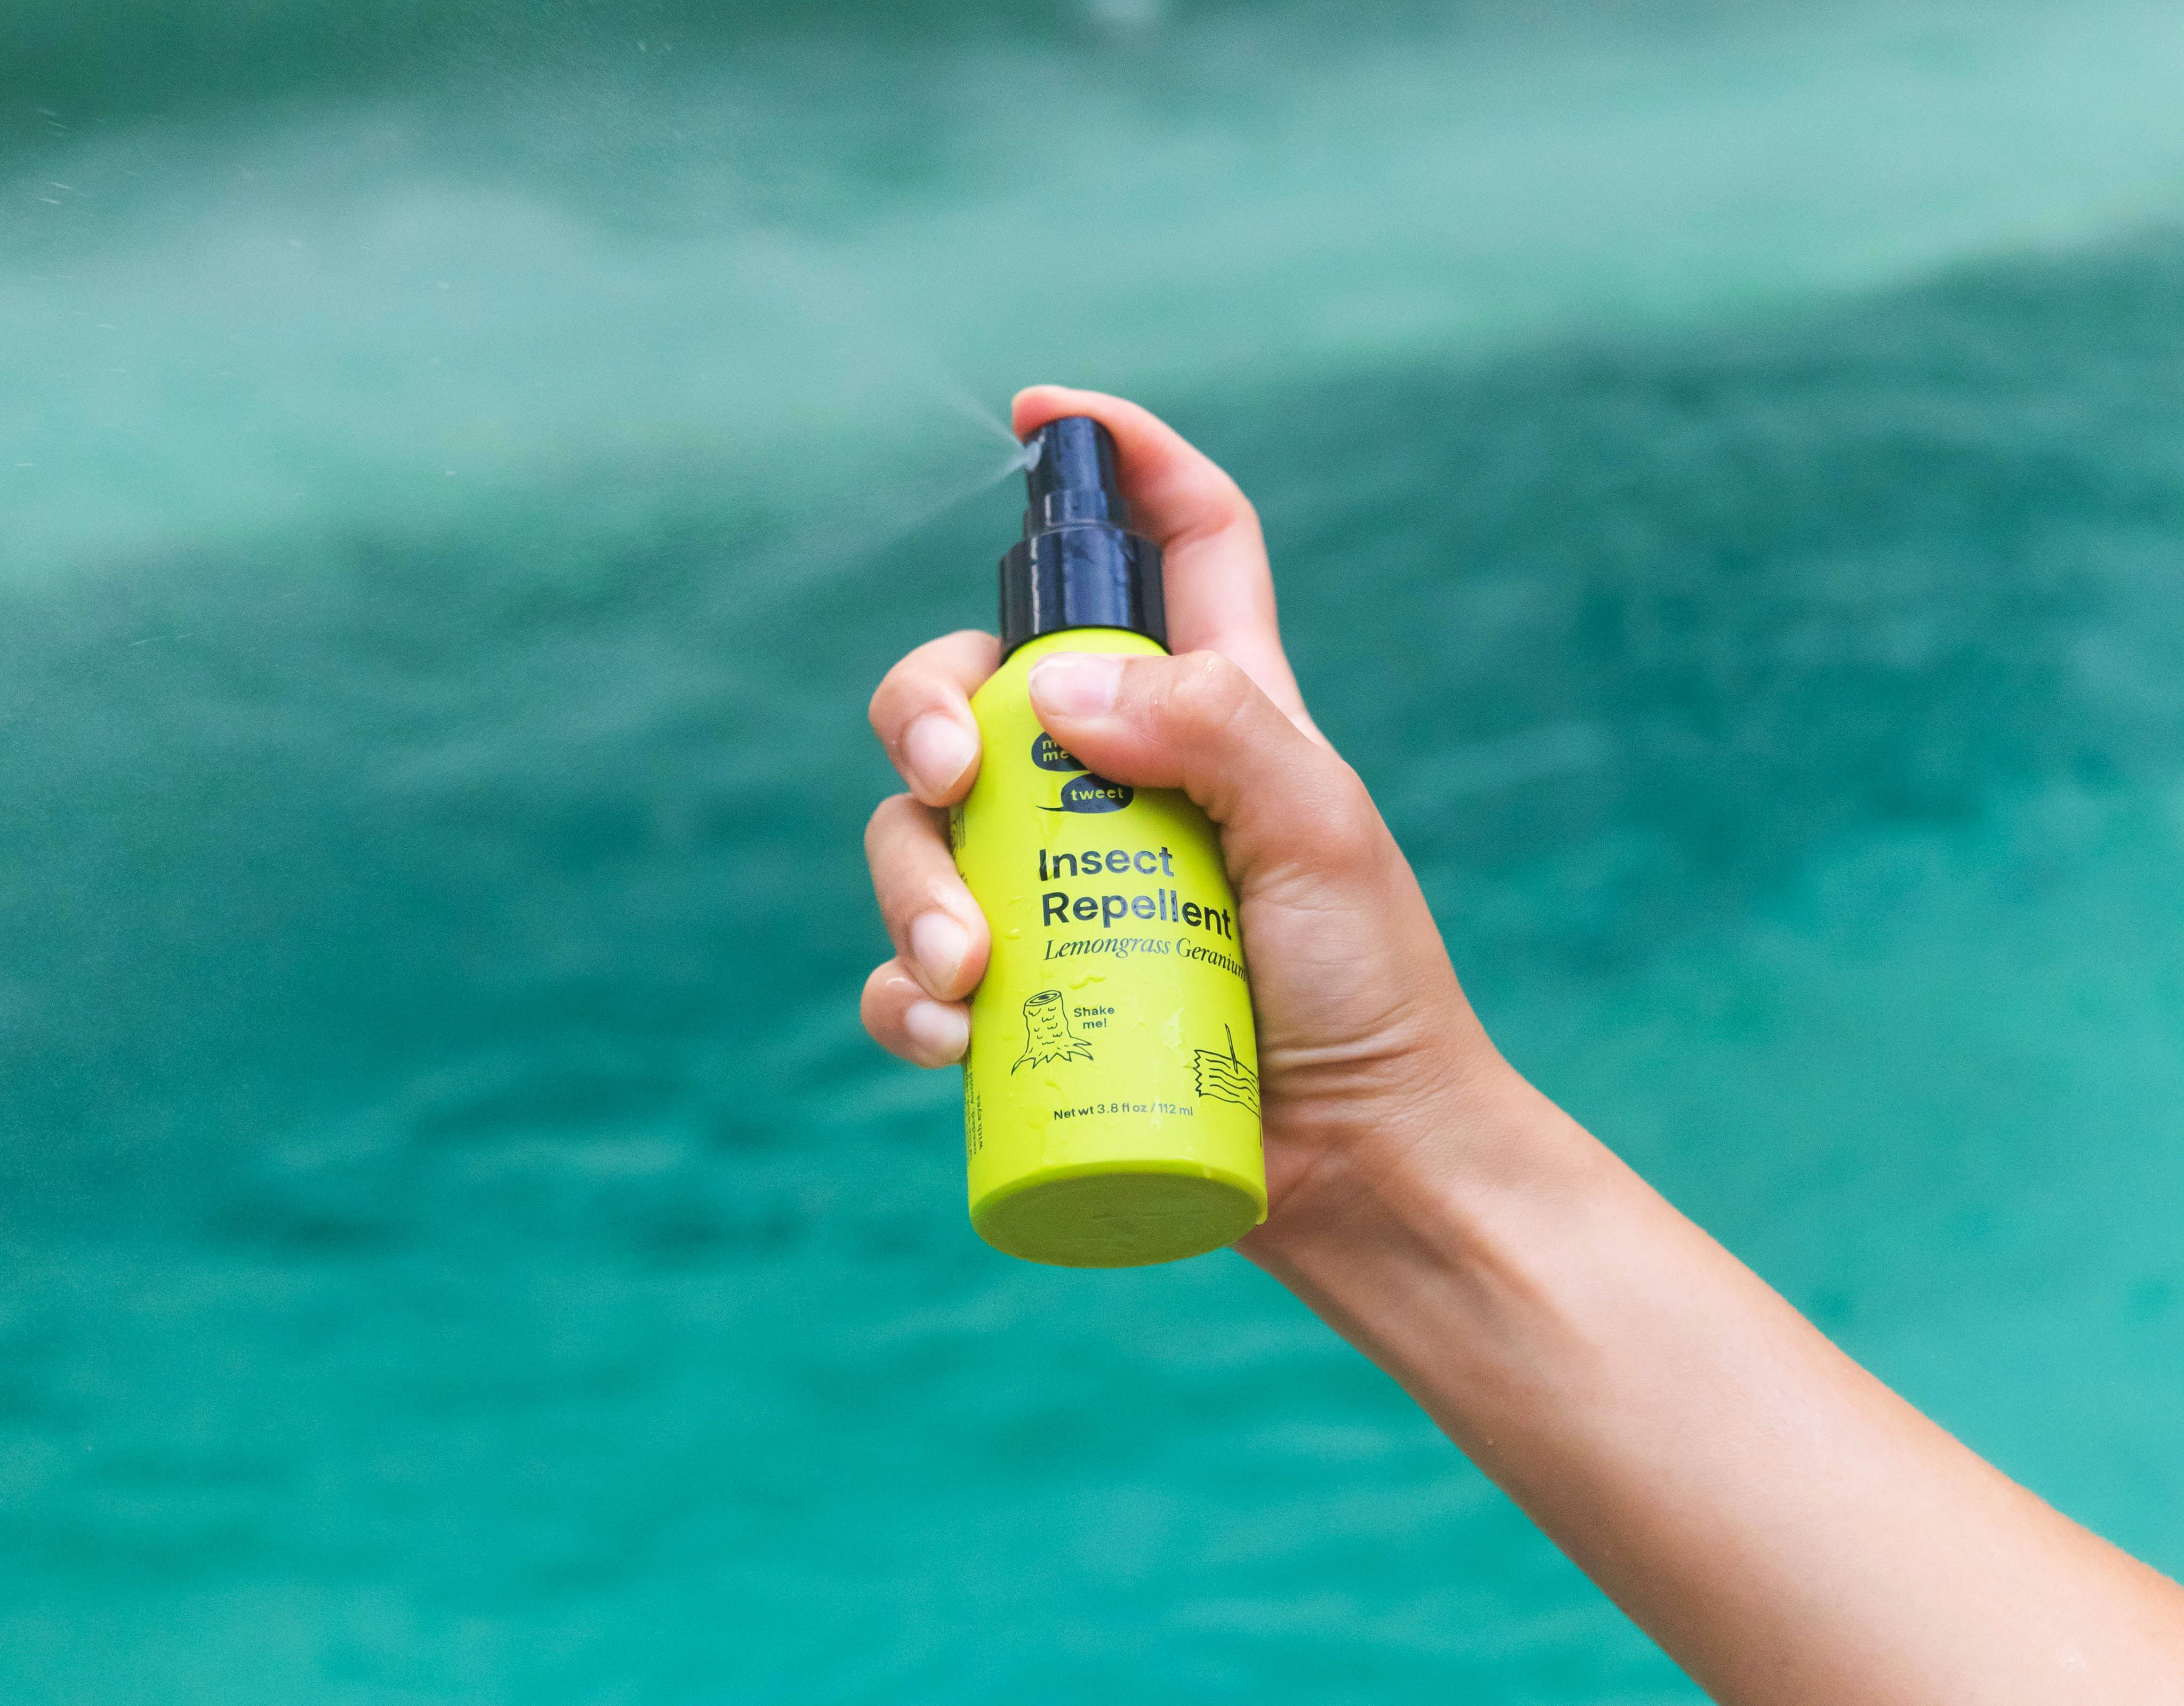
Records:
x=1725, y=477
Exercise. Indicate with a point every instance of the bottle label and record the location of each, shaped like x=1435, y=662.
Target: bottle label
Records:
x=1113, y=1026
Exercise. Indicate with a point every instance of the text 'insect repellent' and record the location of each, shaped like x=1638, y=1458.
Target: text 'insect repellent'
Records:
x=1110, y=1092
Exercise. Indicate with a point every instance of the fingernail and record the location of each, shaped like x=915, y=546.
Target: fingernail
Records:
x=938, y=943
x=1076, y=683
x=937, y=749
x=941, y=1033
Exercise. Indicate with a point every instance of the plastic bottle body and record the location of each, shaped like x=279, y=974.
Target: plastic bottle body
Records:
x=1111, y=1109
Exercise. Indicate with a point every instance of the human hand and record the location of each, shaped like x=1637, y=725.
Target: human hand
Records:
x=1364, y=1033
x=1786, y=1527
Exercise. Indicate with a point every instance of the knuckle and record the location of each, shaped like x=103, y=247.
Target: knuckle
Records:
x=890, y=699
x=886, y=822
x=878, y=714
x=881, y=1018
x=1350, y=832
x=1206, y=694
x=876, y=826
x=873, y=1004
x=900, y=689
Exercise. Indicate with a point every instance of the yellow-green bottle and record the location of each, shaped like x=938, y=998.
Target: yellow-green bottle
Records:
x=1111, y=1093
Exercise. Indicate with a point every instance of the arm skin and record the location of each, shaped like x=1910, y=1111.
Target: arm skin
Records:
x=1789, y=1530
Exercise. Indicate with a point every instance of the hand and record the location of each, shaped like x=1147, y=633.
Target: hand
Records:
x=1364, y=1035
x=1787, y=1528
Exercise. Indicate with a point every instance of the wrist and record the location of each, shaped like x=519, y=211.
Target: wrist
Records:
x=1434, y=1216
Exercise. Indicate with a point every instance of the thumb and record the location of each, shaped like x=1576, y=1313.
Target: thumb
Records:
x=1219, y=589
x=1285, y=803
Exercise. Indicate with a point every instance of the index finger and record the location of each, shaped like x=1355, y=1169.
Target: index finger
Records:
x=1216, y=582
x=921, y=713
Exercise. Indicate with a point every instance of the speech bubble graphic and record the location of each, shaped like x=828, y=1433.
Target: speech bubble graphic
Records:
x=1090, y=793
x=1048, y=755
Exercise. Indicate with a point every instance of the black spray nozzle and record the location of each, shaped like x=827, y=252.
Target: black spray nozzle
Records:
x=1071, y=477
x=1077, y=566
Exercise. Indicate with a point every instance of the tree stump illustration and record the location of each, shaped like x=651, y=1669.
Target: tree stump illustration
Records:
x=1047, y=1035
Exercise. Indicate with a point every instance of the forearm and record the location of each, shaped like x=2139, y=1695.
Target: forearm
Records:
x=1788, y=1529
x=1784, y=1526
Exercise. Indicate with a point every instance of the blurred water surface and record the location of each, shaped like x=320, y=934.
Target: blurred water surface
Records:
x=462, y=473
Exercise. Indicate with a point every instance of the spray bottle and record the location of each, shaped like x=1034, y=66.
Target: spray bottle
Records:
x=1111, y=1091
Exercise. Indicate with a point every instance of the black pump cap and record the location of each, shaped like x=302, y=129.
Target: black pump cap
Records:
x=1077, y=566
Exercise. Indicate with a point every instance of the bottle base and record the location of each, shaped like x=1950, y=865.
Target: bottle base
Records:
x=1106, y=1217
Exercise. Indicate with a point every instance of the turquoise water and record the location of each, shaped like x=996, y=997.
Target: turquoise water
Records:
x=462, y=474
